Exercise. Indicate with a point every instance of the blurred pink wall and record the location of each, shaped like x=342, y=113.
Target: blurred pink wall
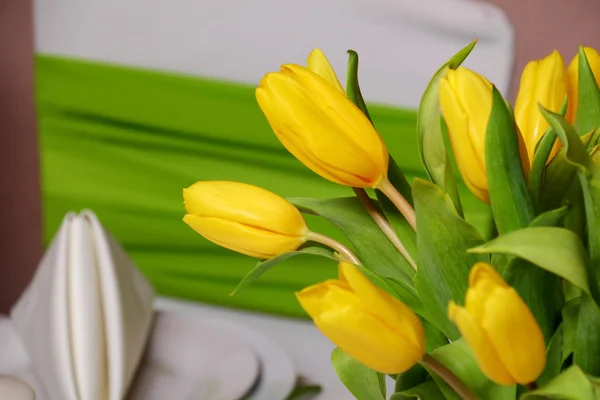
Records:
x=545, y=25
x=20, y=216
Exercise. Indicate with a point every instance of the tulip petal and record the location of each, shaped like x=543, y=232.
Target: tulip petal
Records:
x=319, y=64
x=487, y=357
x=294, y=145
x=244, y=239
x=314, y=134
x=484, y=271
x=247, y=204
x=385, y=306
x=341, y=114
x=542, y=82
x=593, y=58
x=515, y=333
x=468, y=154
x=341, y=317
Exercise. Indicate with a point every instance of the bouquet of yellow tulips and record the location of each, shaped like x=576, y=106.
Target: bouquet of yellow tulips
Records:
x=421, y=296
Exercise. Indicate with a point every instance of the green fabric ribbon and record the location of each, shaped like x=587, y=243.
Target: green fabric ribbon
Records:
x=123, y=142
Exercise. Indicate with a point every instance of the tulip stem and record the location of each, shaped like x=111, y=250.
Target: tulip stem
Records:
x=383, y=224
x=532, y=386
x=335, y=245
x=452, y=380
x=399, y=201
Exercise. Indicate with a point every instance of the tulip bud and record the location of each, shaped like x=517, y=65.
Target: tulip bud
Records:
x=573, y=72
x=318, y=63
x=244, y=218
x=500, y=329
x=542, y=82
x=466, y=102
x=322, y=128
x=365, y=322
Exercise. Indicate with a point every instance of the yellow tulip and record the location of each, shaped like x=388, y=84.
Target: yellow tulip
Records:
x=244, y=218
x=542, y=82
x=318, y=63
x=594, y=60
x=365, y=322
x=466, y=102
x=500, y=329
x=322, y=128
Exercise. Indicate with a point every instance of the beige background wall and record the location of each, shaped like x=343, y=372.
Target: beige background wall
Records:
x=541, y=26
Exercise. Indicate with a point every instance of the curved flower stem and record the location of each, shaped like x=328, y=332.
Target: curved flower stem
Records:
x=399, y=201
x=383, y=224
x=452, y=380
x=335, y=245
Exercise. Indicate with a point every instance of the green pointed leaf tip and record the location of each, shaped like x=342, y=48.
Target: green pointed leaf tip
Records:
x=556, y=250
x=576, y=152
x=432, y=149
x=263, y=266
x=587, y=116
x=542, y=152
x=509, y=196
x=352, y=87
x=361, y=381
x=559, y=177
x=443, y=238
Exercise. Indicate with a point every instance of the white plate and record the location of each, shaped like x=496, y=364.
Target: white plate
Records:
x=186, y=359
x=278, y=375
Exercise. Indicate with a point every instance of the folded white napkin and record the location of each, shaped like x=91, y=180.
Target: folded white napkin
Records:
x=86, y=316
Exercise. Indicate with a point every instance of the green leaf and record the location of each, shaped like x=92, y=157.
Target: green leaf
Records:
x=586, y=352
x=427, y=390
x=590, y=188
x=554, y=357
x=371, y=245
x=540, y=290
x=551, y=218
x=352, y=86
x=576, y=152
x=408, y=380
x=570, y=314
x=432, y=148
x=458, y=358
x=509, y=195
x=595, y=139
x=542, y=152
x=434, y=337
x=263, y=266
x=559, y=175
x=443, y=238
x=588, y=109
x=361, y=381
x=570, y=385
x=304, y=392
x=556, y=250
x=589, y=177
